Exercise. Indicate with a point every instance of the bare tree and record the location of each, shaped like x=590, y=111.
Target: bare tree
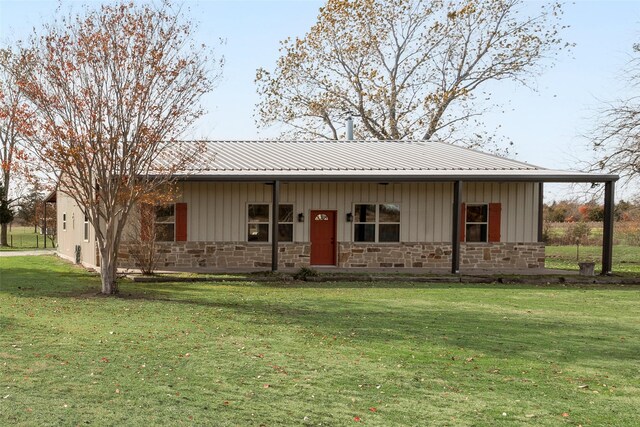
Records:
x=616, y=139
x=409, y=69
x=14, y=112
x=112, y=88
x=143, y=236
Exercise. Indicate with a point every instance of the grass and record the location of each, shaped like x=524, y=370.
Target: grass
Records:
x=624, y=233
x=626, y=259
x=294, y=353
x=21, y=238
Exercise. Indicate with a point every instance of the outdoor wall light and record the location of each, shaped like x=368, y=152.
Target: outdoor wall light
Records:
x=349, y=217
x=300, y=217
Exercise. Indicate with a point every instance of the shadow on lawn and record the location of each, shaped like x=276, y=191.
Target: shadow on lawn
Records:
x=370, y=320
x=24, y=281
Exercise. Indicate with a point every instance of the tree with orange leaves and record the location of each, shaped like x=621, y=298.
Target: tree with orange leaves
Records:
x=407, y=69
x=112, y=88
x=14, y=113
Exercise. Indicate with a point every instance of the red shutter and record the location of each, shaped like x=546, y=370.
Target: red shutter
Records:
x=146, y=222
x=495, y=210
x=181, y=222
x=463, y=221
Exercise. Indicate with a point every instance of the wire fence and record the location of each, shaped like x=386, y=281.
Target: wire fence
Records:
x=29, y=241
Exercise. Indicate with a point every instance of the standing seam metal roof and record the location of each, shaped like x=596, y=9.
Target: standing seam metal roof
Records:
x=355, y=158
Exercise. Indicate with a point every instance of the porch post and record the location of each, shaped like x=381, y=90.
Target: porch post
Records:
x=44, y=227
x=607, y=231
x=455, y=235
x=275, y=201
x=540, y=212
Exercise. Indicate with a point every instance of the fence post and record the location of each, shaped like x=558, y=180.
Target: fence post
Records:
x=11, y=240
x=37, y=241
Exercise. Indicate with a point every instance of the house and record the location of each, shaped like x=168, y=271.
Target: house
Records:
x=347, y=204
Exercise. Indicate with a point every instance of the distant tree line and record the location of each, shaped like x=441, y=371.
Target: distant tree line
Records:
x=572, y=211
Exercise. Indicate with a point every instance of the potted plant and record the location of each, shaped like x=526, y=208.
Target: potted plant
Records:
x=586, y=268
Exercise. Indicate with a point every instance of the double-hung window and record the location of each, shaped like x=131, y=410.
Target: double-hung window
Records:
x=165, y=223
x=64, y=222
x=376, y=222
x=259, y=222
x=477, y=223
x=480, y=222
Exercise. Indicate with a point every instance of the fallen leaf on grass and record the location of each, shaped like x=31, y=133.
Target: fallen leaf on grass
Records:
x=565, y=414
x=266, y=386
x=583, y=386
x=357, y=419
x=372, y=409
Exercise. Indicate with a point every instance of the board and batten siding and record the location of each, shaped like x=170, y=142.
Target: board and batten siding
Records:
x=217, y=211
x=519, y=201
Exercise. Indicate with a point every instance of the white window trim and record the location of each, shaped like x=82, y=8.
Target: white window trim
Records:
x=247, y=222
x=377, y=223
x=466, y=234
x=165, y=222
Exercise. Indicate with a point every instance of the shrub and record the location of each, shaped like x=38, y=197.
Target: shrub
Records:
x=305, y=272
x=578, y=232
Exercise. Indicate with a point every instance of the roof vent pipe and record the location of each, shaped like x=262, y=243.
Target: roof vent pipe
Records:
x=349, y=128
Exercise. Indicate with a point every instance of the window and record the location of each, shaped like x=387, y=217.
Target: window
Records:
x=86, y=228
x=259, y=222
x=285, y=223
x=64, y=222
x=477, y=223
x=165, y=223
x=376, y=223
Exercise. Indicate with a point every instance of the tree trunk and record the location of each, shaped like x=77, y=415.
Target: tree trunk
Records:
x=108, y=266
x=3, y=235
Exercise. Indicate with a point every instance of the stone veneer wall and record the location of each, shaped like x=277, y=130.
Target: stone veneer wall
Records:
x=395, y=255
x=221, y=255
x=502, y=255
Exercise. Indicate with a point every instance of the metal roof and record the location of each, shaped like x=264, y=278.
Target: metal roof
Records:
x=368, y=160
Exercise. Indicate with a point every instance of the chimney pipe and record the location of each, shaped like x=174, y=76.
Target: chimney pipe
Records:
x=349, y=128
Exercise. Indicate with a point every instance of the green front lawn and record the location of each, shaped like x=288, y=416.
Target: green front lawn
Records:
x=24, y=238
x=626, y=259
x=313, y=353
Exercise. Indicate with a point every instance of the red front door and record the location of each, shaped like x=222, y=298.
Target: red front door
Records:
x=323, y=237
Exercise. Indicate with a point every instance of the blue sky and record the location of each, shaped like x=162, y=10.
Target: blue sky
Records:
x=546, y=125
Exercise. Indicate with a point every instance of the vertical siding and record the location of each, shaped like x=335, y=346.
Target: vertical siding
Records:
x=519, y=207
x=217, y=211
